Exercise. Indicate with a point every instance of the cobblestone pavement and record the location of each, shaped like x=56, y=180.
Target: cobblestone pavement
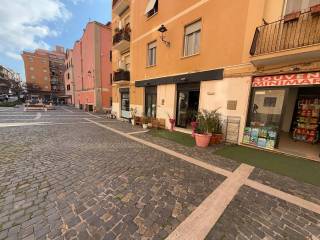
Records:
x=255, y=215
x=76, y=180
x=84, y=183
x=283, y=183
x=286, y=184
x=205, y=155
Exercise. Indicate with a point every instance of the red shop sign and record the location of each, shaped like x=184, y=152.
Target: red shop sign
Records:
x=287, y=80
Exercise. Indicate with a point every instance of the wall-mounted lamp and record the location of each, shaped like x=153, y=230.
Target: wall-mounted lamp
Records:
x=162, y=30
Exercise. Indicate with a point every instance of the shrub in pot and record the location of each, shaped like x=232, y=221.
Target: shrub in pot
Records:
x=192, y=117
x=133, y=112
x=145, y=122
x=217, y=135
x=204, y=129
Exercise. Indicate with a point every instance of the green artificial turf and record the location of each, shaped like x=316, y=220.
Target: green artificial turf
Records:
x=182, y=138
x=297, y=168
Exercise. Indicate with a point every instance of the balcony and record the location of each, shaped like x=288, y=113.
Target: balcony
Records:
x=294, y=38
x=54, y=81
x=120, y=6
x=121, y=40
x=121, y=76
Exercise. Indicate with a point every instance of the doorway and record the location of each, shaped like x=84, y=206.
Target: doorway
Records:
x=187, y=103
x=151, y=102
x=125, y=103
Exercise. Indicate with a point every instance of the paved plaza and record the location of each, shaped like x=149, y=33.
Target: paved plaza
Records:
x=66, y=174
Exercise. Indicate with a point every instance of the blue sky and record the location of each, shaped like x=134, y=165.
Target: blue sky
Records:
x=28, y=25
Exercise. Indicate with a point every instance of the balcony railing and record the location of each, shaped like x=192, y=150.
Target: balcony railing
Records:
x=122, y=35
x=121, y=76
x=54, y=81
x=294, y=31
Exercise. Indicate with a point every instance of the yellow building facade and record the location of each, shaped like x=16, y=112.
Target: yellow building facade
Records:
x=171, y=58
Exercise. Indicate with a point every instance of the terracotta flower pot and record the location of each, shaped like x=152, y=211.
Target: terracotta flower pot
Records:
x=172, y=122
x=216, y=138
x=202, y=140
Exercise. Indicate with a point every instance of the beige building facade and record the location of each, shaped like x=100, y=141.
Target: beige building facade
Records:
x=191, y=55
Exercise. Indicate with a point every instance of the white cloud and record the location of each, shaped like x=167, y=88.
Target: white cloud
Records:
x=25, y=23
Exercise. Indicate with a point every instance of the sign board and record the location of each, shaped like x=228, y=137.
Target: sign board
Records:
x=300, y=79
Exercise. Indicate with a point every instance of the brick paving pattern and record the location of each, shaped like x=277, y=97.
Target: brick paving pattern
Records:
x=303, y=190
x=255, y=215
x=206, y=155
x=70, y=182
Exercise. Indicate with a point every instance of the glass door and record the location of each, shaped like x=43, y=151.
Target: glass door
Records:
x=125, y=105
x=182, y=108
x=151, y=102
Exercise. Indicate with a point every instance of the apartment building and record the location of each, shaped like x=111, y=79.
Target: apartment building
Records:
x=69, y=84
x=10, y=81
x=257, y=61
x=44, y=72
x=92, y=73
x=121, y=19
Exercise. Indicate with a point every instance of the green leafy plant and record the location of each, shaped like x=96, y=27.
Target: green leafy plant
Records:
x=133, y=112
x=206, y=121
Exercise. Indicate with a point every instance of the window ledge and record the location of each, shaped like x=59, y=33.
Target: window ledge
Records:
x=189, y=56
x=151, y=66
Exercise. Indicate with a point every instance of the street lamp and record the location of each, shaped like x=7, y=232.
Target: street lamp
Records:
x=162, y=30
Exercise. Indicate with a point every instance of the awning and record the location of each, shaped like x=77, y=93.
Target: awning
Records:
x=150, y=6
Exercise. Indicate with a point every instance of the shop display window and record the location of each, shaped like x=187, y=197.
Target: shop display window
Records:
x=264, y=118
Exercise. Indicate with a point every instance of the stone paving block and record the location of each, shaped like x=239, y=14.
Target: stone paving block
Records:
x=248, y=222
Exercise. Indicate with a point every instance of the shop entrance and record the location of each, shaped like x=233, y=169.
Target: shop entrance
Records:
x=299, y=133
x=285, y=118
x=187, y=103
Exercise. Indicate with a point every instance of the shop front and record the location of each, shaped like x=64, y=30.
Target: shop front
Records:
x=125, y=102
x=284, y=114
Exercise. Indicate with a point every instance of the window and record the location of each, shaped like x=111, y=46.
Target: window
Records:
x=110, y=56
x=152, y=54
x=192, y=39
x=110, y=78
x=30, y=59
x=68, y=75
x=110, y=100
x=46, y=78
x=31, y=68
x=298, y=5
x=68, y=87
x=152, y=8
x=33, y=77
x=269, y=101
x=44, y=70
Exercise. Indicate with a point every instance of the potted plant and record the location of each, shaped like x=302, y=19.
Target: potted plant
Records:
x=145, y=122
x=204, y=129
x=217, y=135
x=192, y=117
x=133, y=112
x=172, y=122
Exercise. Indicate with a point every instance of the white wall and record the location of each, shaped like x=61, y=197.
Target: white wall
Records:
x=166, y=102
x=217, y=93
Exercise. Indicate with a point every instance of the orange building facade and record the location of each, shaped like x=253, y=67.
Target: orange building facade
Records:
x=91, y=65
x=174, y=57
x=44, y=72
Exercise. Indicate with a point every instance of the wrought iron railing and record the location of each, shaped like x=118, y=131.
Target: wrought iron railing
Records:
x=121, y=76
x=293, y=31
x=123, y=34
